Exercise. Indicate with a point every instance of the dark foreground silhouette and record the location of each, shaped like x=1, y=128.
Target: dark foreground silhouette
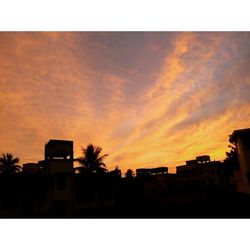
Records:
x=107, y=195
x=53, y=188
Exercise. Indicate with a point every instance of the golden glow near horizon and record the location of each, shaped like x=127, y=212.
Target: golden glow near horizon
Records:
x=148, y=99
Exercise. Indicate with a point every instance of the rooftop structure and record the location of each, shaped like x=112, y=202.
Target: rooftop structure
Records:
x=151, y=171
x=203, y=158
x=59, y=149
x=240, y=133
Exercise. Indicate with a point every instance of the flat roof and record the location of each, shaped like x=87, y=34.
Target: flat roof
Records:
x=59, y=142
x=56, y=140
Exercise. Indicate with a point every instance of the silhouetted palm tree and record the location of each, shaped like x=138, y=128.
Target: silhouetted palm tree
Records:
x=92, y=160
x=8, y=164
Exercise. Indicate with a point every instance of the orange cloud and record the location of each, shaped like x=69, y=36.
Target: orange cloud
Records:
x=148, y=99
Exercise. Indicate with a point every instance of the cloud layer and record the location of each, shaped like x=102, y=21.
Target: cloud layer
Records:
x=148, y=99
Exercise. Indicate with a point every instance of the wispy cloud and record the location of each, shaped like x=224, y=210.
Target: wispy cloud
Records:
x=148, y=99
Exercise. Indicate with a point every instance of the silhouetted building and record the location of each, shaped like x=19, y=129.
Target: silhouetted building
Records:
x=203, y=159
x=203, y=171
x=241, y=139
x=151, y=171
x=58, y=163
x=116, y=173
x=59, y=149
x=31, y=168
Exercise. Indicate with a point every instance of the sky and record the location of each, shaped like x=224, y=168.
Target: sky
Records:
x=149, y=99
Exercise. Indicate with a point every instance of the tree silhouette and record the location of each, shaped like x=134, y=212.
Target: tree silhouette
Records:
x=8, y=164
x=129, y=174
x=92, y=159
x=232, y=161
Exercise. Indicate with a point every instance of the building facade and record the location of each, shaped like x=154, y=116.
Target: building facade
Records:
x=241, y=140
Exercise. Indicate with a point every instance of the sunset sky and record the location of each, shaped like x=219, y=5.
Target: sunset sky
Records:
x=148, y=99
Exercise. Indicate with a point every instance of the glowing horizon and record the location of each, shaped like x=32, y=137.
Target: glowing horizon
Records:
x=148, y=99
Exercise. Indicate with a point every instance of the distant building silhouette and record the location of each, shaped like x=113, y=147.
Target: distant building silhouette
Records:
x=241, y=139
x=116, y=173
x=202, y=169
x=203, y=159
x=151, y=171
x=31, y=168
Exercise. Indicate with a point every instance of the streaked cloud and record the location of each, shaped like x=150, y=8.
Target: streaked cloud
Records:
x=148, y=99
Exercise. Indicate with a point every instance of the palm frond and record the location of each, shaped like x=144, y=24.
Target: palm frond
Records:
x=8, y=164
x=91, y=157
